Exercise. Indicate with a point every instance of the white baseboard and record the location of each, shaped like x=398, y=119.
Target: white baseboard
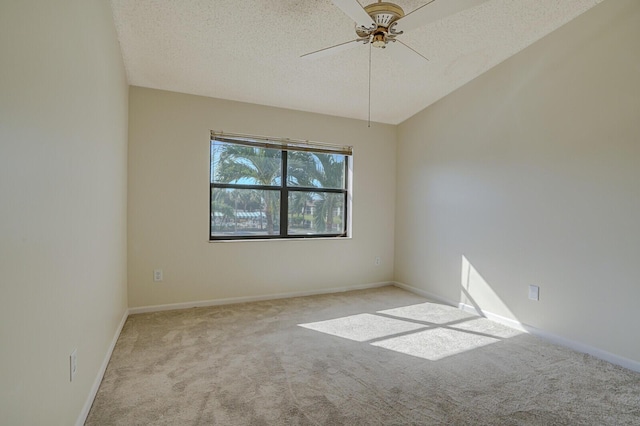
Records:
x=232, y=300
x=494, y=317
x=96, y=383
x=551, y=337
x=425, y=293
x=554, y=338
x=581, y=347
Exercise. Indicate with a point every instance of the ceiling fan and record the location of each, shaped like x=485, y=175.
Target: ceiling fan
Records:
x=379, y=25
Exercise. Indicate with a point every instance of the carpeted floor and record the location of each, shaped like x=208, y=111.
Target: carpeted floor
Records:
x=371, y=357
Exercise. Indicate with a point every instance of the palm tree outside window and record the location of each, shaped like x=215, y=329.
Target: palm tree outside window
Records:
x=267, y=188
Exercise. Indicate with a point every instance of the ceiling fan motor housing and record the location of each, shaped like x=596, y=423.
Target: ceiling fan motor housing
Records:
x=384, y=14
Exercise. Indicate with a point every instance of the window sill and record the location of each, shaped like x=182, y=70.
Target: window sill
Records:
x=263, y=240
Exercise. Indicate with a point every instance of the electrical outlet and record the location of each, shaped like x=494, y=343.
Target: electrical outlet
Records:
x=73, y=364
x=534, y=292
x=376, y=261
x=157, y=275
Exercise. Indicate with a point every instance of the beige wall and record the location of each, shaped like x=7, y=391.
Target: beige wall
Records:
x=527, y=175
x=63, y=121
x=169, y=204
x=531, y=173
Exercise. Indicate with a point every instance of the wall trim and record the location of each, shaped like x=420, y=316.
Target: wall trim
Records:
x=424, y=293
x=245, y=299
x=82, y=418
x=495, y=317
x=551, y=337
x=557, y=339
x=543, y=334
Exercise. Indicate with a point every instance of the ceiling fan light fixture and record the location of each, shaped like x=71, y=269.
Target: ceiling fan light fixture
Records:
x=379, y=40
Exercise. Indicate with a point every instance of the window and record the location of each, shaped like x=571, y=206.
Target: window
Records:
x=265, y=188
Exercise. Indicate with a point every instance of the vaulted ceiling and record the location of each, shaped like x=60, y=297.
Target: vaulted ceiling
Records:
x=249, y=50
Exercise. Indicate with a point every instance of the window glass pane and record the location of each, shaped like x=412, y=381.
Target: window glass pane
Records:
x=244, y=212
x=316, y=213
x=316, y=170
x=245, y=165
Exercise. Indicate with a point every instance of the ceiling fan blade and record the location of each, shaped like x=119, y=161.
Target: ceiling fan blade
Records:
x=353, y=10
x=332, y=50
x=408, y=56
x=434, y=10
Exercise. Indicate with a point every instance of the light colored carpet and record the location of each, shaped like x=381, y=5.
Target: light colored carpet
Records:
x=381, y=356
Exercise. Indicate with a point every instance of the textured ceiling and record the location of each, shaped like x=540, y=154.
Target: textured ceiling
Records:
x=249, y=50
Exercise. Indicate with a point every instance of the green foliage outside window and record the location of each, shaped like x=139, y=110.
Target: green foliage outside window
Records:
x=263, y=192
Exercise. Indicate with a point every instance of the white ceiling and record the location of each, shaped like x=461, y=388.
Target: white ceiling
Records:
x=249, y=50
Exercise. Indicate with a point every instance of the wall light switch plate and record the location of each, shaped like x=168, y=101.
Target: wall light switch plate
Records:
x=534, y=292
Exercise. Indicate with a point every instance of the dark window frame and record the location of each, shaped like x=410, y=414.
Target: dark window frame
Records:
x=284, y=190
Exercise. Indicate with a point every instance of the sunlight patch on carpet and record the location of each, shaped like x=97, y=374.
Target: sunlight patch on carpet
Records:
x=362, y=327
x=481, y=325
x=436, y=343
x=426, y=330
x=428, y=312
